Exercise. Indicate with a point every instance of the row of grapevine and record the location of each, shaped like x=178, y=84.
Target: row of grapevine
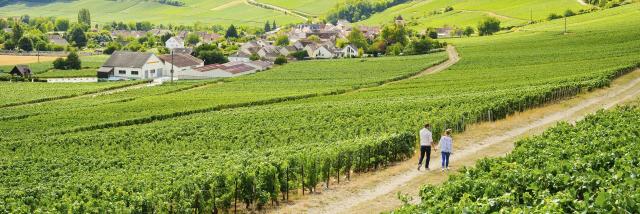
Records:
x=590, y=167
x=254, y=181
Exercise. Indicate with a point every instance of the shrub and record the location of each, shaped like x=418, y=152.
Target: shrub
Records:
x=553, y=16
x=300, y=55
x=281, y=60
x=569, y=13
x=59, y=63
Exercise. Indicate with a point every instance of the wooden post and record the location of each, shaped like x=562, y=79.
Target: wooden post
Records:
x=235, y=195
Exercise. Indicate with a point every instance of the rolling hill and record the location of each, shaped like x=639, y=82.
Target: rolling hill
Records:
x=212, y=12
x=421, y=14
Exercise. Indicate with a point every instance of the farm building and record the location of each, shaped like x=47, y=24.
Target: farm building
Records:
x=21, y=70
x=131, y=65
x=180, y=62
x=240, y=56
x=444, y=32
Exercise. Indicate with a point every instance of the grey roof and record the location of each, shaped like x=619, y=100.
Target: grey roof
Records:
x=127, y=59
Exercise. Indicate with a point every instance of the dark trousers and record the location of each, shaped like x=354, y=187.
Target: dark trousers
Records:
x=425, y=150
x=445, y=159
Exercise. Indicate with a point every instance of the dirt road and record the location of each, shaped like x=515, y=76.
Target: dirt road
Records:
x=377, y=191
x=453, y=59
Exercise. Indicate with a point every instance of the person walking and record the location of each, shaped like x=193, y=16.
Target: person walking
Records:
x=426, y=138
x=446, y=148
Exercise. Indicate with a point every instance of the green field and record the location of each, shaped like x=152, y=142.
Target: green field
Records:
x=222, y=12
x=469, y=13
x=167, y=162
x=318, y=8
x=590, y=167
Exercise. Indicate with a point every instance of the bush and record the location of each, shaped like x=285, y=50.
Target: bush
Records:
x=300, y=55
x=569, y=13
x=59, y=63
x=281, y=60
x=448, y=8
x=553, y=16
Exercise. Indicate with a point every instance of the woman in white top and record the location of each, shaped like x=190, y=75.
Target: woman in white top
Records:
x=446, y=146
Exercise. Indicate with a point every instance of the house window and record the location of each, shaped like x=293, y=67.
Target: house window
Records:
x=153, y=71
x=122, y=72
x=134, y=72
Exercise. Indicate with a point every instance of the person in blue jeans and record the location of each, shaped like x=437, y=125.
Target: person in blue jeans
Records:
x=446, y=146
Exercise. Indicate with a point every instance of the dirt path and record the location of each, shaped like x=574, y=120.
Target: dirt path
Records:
x=454, y=57
x=299, y=14
x=377, y=191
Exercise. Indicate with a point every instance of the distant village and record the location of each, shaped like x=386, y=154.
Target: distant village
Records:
x=136, y=53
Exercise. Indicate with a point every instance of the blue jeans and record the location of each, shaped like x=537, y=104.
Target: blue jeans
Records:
x=445, y=159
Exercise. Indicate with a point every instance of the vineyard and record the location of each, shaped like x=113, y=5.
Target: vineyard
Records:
x=250, y=142
x=590, y=167
x=288, y=82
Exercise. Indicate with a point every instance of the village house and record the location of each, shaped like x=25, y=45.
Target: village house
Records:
x=240, y=56
x=159, y=32
x=21, y=70
x=127, y=34
x=269, y=52
x=174, y=42
x=287, y=50
x=131, y=65
x=349, y=50
x=370, y=32
x=181, y=63
x=208, y=38
x=57, y=40
x=316, y=51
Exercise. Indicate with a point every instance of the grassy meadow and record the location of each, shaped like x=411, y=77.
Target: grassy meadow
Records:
x=470, y=12
x=223, y=12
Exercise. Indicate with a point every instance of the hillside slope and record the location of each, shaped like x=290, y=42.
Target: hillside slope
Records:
x=211, y=11
x=469, y=12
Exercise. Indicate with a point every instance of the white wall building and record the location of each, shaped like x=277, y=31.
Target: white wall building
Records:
x=174, y=42
x=132, y=65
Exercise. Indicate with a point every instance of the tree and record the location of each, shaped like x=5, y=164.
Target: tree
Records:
x=77, y=36
x=282, y=40
x=9, y=45
x=84, y=17
x=254, y=57
x=62, y=24
x=17, y=32
x=468, y=31
x=280, y=60
x=73, y=61
x=395, y=34
x=212, y=57
x=356, y=38
x=433, y=34
x=25, y=44
x=553, y=16
x=193, y=39
x=231, y=32
x=420, y=46
x=112, y=47
x=274, y=26
x=267, y=27
x=395, y=49
x=488, y=26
